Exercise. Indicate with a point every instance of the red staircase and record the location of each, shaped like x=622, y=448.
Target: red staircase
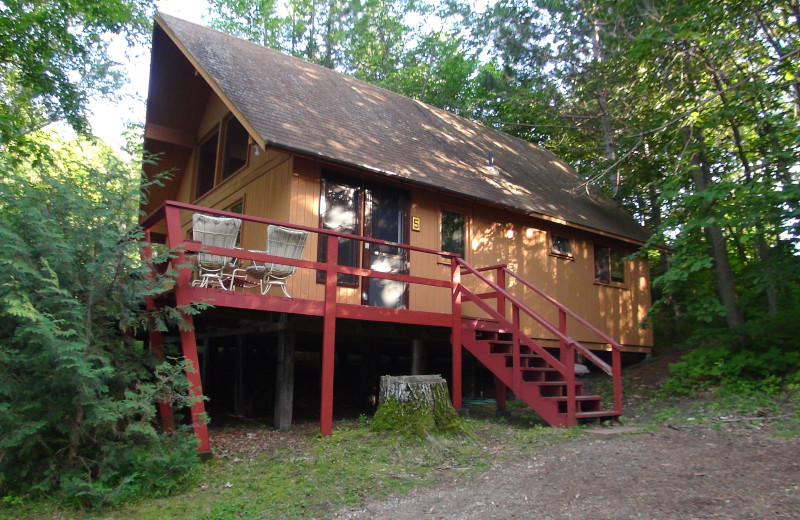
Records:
x=543, y=379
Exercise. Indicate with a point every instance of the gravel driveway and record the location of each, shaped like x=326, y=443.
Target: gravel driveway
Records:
x=673, y=473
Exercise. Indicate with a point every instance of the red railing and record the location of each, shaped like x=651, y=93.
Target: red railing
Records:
x=170, y=214
x=567, y=345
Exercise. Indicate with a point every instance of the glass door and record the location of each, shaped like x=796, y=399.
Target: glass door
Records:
x=385, y=219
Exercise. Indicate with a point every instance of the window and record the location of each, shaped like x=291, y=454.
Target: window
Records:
x=560, y=246
x=238, y=207
x=609, y=265
x=207, y=164
x=234, y=157
x=453, y=232
x=224, y=152
x=339, y=211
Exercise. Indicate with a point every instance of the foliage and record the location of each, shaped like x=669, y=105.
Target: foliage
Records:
x=686, y=113
x=307, y=476
x=53, y=58
x=766, y=362
x=77, y=393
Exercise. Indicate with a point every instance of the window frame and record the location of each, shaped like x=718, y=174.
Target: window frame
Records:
x=326, y=177
x=455, y=211
x=218, y=177
x=210, y=135
x=612, y=256
x=224, y=148
x=569, y=255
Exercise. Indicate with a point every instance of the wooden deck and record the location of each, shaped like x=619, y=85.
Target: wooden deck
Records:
x=167, y=226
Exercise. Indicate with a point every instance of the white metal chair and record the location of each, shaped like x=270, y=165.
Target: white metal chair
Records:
x=215, y=270
x=281, y=241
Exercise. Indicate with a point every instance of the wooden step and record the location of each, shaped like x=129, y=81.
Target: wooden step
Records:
x=597, y=415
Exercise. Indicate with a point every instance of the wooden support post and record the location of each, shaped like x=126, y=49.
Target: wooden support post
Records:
x=455, y=336
x=164, y=407
x=198, y=409
x=567, y=356
x=238, y=378
x=499, y=386
x=616, y=373
x=188, y=341
x=516, y=355
x=206, y=360
x=156, y=340
x=329, y=337
x=417, y=357
x=284, y=378
x=501, y=299
x=500, y=394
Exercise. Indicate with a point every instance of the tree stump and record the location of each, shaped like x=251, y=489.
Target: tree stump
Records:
x=416, y=406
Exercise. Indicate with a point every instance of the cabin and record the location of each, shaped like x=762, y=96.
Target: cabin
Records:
x=430, y=244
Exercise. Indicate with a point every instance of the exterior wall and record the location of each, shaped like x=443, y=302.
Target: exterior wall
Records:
x=496, y=237
x=279, y=186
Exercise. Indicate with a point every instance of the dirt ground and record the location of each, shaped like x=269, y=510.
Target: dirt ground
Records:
x=683, y=473
x=735, y=470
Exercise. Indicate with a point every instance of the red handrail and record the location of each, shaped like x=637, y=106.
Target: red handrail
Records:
x=190, y=246
x=614, y=370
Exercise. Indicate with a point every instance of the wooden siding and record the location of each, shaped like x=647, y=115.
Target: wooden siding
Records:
x=524, y=244
x=280, y=186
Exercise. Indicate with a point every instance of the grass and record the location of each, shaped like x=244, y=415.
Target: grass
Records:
x=303, y=475
x=312, y=475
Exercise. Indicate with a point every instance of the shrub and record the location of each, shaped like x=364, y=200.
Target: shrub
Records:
x=77, y=393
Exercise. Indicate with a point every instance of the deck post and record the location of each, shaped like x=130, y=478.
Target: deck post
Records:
x=568, y=360
x=455, y=336
x=156, y=340
x=238, y=380
x=500, y=387
x=188, y=340
x=284, y=377
x=329, y=336
x=417, y=357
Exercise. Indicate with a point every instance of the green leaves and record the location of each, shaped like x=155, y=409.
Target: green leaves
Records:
x=78, y=396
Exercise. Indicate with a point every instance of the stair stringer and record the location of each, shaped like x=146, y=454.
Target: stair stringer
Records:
x=547, y=397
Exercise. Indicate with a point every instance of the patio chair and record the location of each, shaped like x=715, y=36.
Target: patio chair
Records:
x=215, y=270
x=281, y=241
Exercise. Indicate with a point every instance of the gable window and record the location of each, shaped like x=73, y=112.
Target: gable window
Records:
x=224, y=152
x=234, y=157
x=453, y=232
x=560, y=246
x=339, y=211
x=207, y=163
x=609, y=265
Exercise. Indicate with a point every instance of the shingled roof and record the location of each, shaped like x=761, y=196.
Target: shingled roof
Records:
x=314, y=111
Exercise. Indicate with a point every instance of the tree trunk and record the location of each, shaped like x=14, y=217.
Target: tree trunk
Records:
x=416, y=406
x=722, y=267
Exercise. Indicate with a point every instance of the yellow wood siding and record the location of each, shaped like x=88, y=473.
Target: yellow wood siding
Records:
x=279, y=186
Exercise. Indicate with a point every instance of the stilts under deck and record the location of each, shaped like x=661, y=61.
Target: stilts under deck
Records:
x=544, y=379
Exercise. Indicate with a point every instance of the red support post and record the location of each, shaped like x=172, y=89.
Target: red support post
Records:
x=501, y=282
x=156, y=341
x=616, y=370
x=455, y=337
x=329, y=337
x=516, y=355
x=499, y=386
x=568, y=360
x=188, y=341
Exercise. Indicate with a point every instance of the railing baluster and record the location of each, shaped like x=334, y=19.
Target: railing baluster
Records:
x=455, y=338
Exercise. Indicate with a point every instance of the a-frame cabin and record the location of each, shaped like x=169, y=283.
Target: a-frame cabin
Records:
x=428, y=236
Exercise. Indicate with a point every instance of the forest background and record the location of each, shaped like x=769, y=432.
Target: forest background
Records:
x=687, y=113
